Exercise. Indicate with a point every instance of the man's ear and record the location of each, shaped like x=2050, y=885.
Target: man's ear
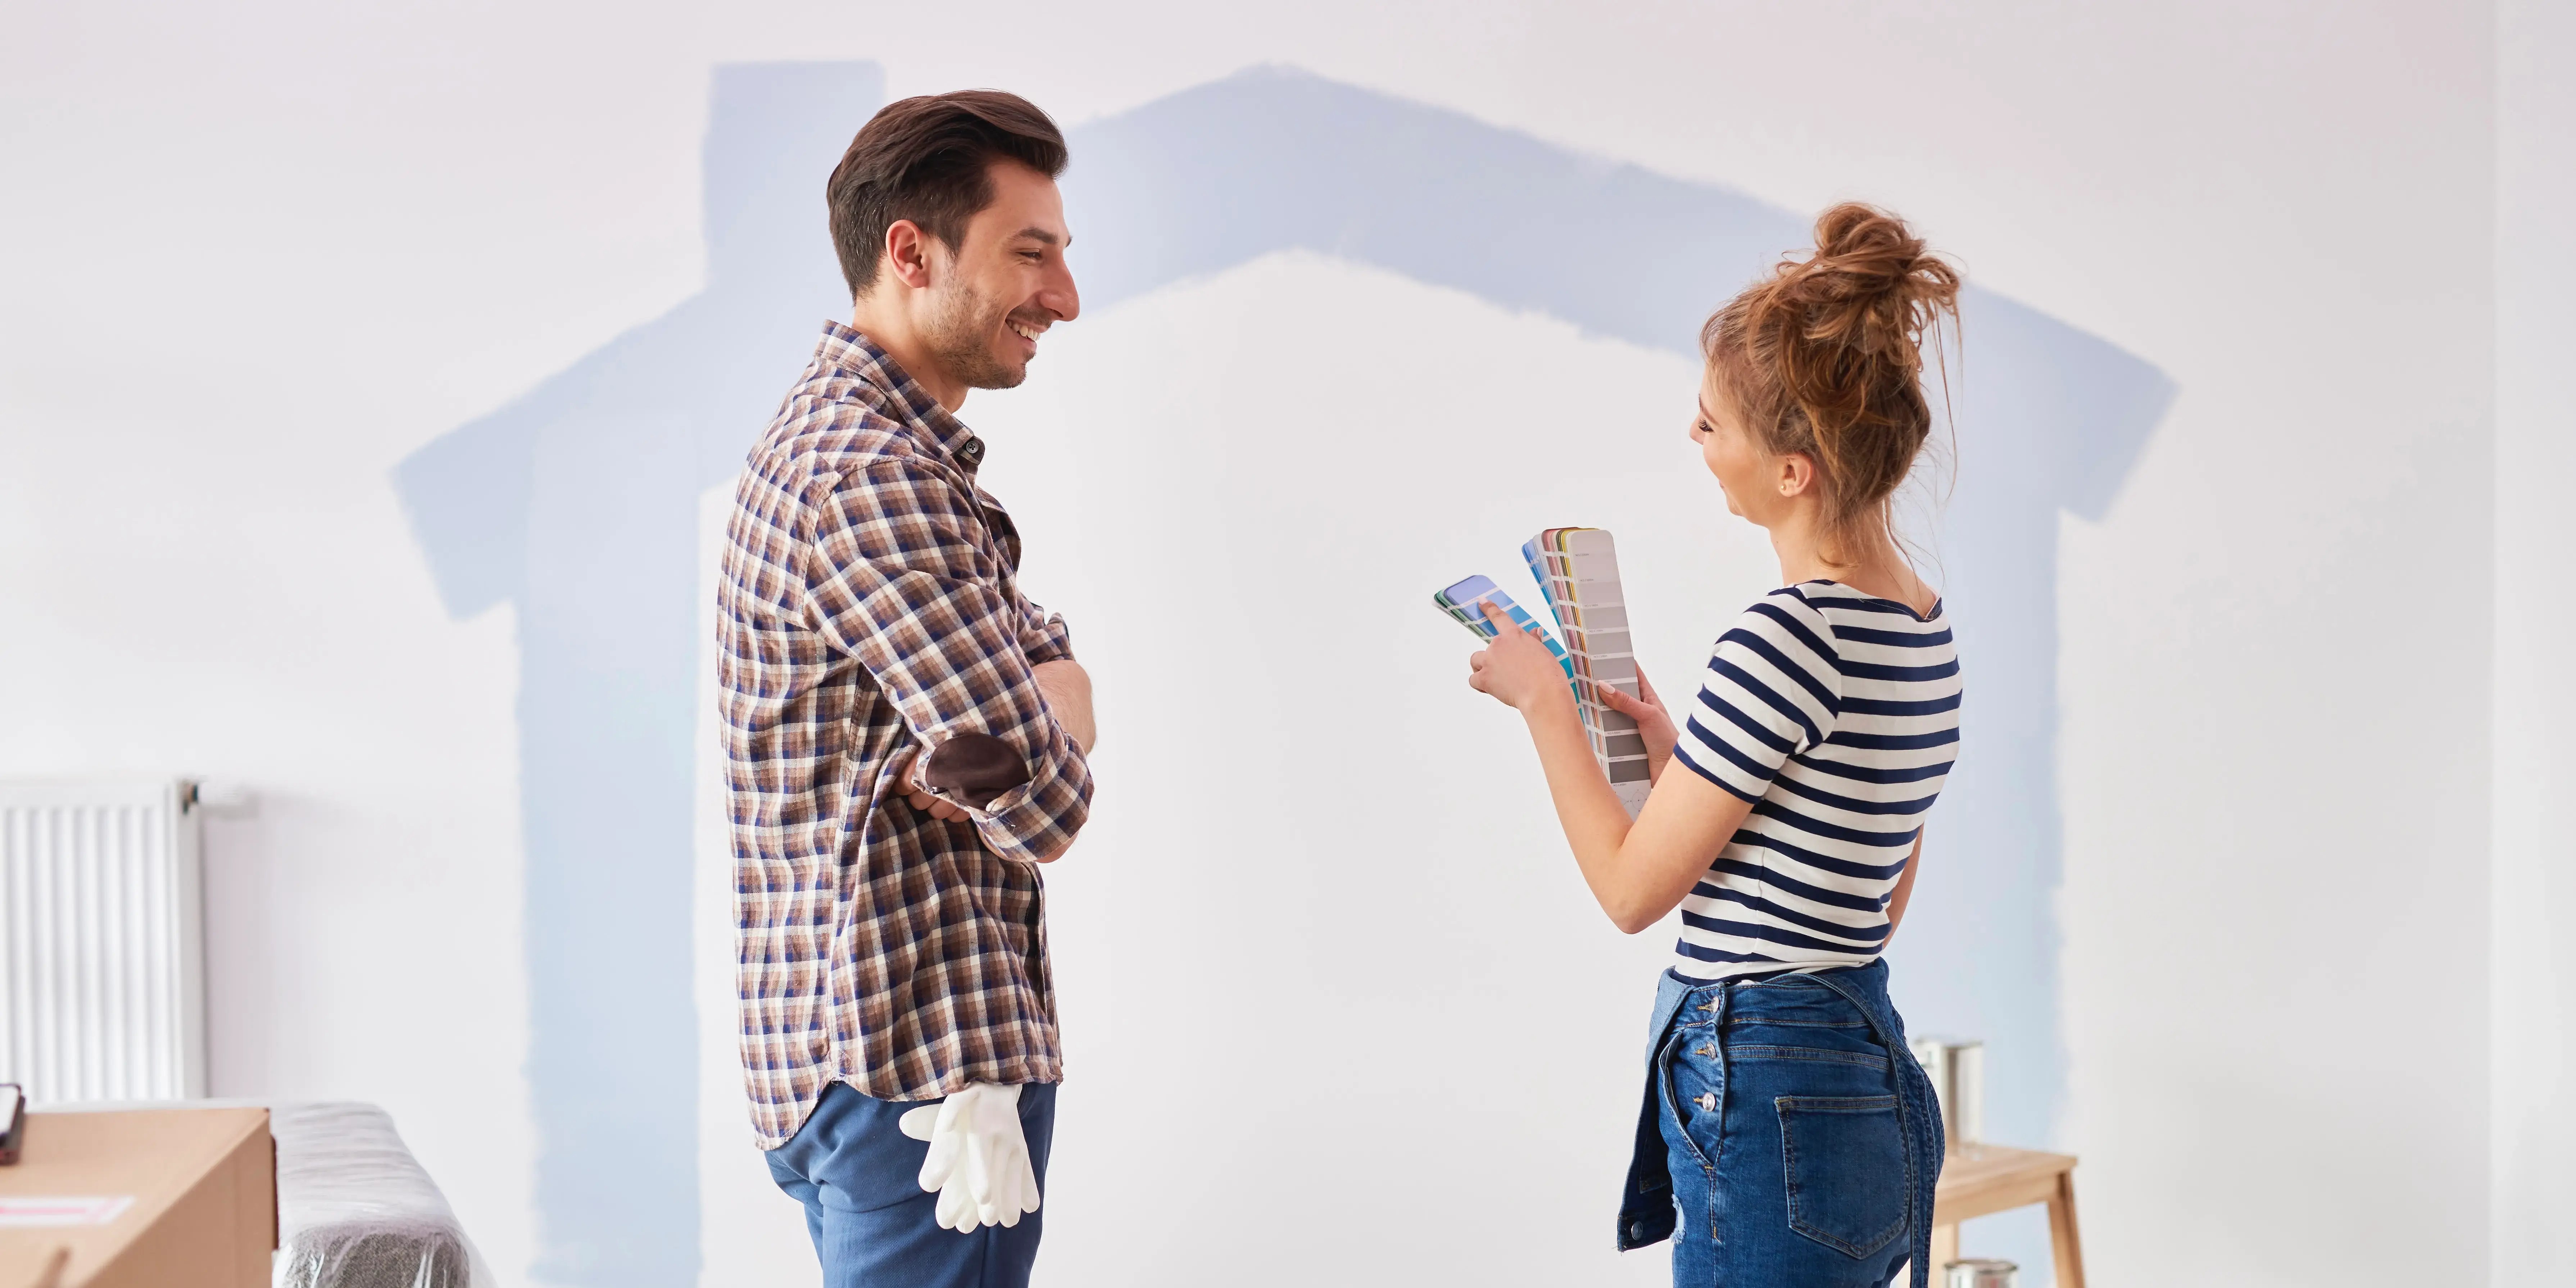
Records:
x=907, y=254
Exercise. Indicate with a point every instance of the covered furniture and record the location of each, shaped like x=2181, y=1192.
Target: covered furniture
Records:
x=354, y=1210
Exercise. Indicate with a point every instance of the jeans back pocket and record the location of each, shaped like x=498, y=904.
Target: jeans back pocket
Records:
x=1845, y=1157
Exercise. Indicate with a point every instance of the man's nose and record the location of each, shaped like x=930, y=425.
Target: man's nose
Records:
x=1059, y=297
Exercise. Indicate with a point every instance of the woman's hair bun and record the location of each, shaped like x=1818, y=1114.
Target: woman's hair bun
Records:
x=1825, y=355
x=1872, y=286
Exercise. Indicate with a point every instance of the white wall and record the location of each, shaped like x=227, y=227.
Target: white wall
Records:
x=2276, y=646
x=261, y=255
x=2533, y=1006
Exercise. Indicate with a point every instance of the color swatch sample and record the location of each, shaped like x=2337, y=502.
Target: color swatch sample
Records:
x=1578, y=573
x=1463, y=601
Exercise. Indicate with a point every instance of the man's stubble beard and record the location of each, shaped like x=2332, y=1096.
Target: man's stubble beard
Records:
x=961, y=336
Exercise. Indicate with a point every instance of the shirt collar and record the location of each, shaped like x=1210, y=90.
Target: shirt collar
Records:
x=854, y=354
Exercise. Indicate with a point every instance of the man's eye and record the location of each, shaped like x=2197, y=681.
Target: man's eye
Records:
x=1033, y=256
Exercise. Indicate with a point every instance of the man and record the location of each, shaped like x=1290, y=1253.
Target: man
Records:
x=905, y=733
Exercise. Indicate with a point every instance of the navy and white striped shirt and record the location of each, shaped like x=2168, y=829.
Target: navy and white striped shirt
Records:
x=1837, y=716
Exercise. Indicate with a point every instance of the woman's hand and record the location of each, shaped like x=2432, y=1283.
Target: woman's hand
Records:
x=1653, y=721
x=1640, y=870
x=1516, y=667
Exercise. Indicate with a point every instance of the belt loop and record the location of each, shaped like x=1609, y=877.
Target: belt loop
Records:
x=1716, y=1005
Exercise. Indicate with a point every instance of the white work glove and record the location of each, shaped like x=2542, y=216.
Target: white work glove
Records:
x=979, y=1160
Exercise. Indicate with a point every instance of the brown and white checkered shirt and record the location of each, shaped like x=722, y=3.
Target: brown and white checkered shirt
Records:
x=868, y=606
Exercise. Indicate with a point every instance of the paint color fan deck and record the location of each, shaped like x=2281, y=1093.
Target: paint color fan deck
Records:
x=1578, y=570
x=1578, y=576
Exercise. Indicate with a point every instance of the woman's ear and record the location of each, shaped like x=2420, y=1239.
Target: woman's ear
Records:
x=1797, y=473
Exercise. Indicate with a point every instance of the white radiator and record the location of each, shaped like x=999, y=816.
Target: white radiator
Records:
x=102, y=977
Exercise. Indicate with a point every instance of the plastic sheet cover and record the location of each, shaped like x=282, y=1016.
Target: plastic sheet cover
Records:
x=354, y=1210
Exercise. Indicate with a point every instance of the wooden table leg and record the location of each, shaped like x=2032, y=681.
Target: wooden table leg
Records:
x=1945, y=1248
x=2064, y=1248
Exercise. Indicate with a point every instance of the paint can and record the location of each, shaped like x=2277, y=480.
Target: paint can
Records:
x=1966, y=1111
x=1957, y=1068
x=1981, y=1272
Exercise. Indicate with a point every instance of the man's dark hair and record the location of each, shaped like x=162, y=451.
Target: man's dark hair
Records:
x=929, y=160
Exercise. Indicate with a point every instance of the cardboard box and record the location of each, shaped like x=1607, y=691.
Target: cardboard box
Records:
x=204, y=1185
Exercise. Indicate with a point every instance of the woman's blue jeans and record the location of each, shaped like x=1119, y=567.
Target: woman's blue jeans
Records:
x=1787, y=1135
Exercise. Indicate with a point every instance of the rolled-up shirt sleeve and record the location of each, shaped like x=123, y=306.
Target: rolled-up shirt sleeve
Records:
x=1043, y=635
x=899, y=581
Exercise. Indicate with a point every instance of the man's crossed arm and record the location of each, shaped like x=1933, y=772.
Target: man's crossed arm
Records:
x=904, y=581
x=978, y=766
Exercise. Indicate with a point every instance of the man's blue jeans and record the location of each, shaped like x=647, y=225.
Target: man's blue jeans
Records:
x=859, y=1178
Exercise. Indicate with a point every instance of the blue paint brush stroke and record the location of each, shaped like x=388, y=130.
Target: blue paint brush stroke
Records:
x=578, y=502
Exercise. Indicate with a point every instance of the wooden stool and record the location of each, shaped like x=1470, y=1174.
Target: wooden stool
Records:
x=1985, y=1179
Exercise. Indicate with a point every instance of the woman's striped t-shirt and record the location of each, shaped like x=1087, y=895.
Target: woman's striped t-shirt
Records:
x=1837, y=716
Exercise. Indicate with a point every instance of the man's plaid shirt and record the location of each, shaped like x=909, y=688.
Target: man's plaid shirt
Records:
x=869, y=607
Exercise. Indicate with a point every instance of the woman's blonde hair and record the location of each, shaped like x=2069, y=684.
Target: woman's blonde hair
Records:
x=1825, y=357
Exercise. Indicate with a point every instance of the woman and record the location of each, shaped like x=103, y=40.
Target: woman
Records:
x=1787, y=1135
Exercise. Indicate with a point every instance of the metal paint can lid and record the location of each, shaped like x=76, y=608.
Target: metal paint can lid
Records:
x=1982, y=1272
